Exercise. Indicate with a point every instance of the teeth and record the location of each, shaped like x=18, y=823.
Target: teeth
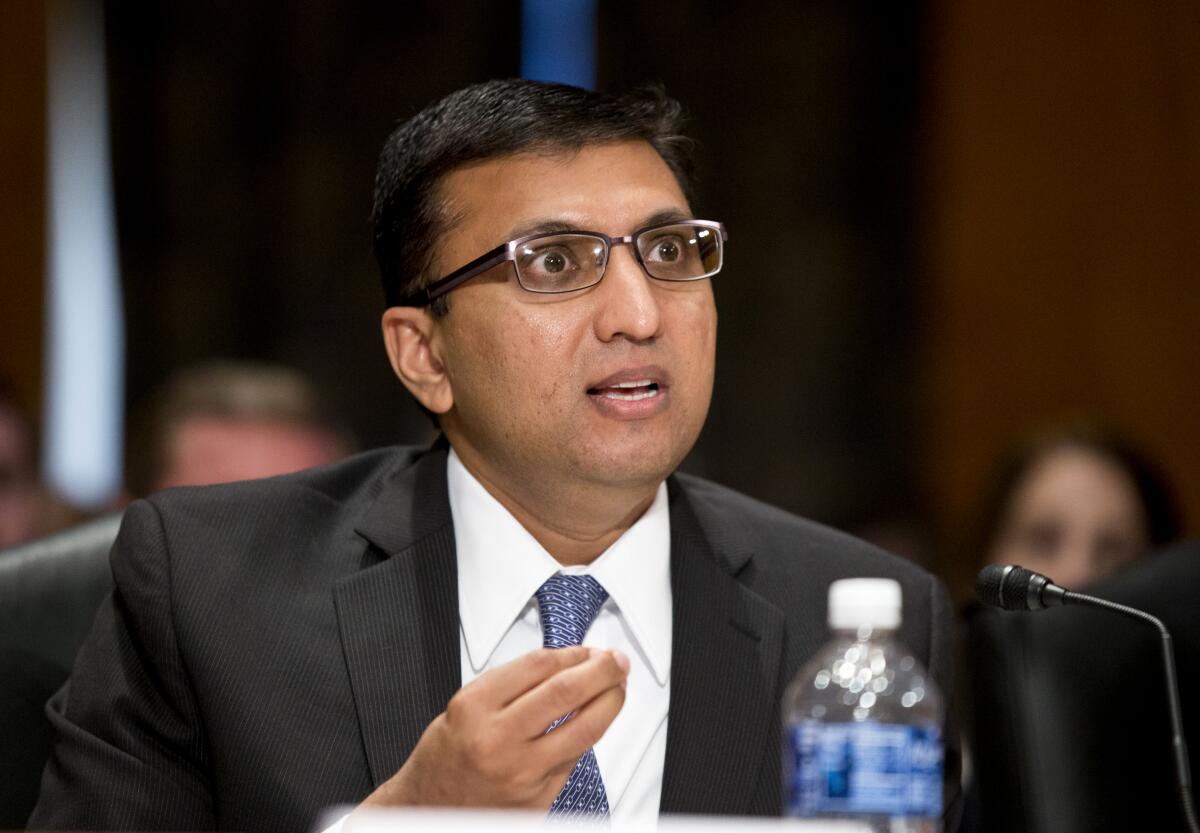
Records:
x=629, y=397
x=642, y=384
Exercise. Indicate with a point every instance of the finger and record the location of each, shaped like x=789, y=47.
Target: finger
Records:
x=567, y=691
x=502, y=685
x=565, y=744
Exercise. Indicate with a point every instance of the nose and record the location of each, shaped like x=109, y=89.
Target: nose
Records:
x=627, y=304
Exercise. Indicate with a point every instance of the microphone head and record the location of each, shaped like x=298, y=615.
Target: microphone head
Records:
x=1005, y=586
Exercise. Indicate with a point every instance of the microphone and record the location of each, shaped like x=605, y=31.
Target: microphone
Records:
x=1010, y=587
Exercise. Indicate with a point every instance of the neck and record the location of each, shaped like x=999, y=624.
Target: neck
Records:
x=575, y=523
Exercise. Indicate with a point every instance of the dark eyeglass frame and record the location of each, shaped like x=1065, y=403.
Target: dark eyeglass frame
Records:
x=508, y=252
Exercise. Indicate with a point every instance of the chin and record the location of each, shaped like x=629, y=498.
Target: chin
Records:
x=629, y=463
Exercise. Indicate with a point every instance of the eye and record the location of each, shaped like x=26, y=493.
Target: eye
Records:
x=667, y=249
x=1040, y=538
x=547, y=261
x=1112, y=548
x=553, y=262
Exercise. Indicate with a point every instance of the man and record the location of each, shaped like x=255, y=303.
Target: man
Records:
x=222, y=421
x=370, y=632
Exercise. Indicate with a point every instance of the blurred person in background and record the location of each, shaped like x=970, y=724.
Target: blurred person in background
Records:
x=1075, y=504
x=18, y=471
x=224, y=421
x=28, y=507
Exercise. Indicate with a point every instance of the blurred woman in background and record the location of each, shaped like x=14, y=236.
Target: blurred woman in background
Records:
x=1075, y=504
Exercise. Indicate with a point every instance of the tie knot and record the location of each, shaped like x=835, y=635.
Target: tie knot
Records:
x=568, y=606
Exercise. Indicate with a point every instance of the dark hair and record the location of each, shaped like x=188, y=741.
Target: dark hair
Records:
x=234, y=390
x=488, y=120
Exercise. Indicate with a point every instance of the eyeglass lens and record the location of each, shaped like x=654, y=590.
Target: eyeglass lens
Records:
x=680, y=253
x=564, y=262
x=561, y=262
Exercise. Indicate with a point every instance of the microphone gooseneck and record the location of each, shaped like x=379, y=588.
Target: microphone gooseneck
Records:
x=1010, y=587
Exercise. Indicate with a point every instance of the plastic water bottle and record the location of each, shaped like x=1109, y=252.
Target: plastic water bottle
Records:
x=863, y=721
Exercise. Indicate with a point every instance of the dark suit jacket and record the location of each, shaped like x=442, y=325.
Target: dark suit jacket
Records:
x=275, y=647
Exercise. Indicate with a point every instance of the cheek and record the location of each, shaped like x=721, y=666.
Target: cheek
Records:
x=513, y=363
x=696, y=323
x=701, y=311
x=547, y=337
x=549, y=345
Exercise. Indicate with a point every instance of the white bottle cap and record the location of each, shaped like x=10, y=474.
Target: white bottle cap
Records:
x=873, y=602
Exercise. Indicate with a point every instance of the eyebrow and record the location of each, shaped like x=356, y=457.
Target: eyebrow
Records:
x=550, y=226
x=668, y=215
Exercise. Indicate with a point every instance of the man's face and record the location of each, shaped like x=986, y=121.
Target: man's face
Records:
x=540, y=382
x=204, y=450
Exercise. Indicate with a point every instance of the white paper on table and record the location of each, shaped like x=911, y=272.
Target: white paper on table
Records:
x=456, y=820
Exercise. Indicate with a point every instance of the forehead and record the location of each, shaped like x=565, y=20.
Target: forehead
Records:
x=1079, y=477
x=609, y=187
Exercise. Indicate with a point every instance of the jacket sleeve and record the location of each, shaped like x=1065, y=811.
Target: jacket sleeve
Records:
x=130, y=752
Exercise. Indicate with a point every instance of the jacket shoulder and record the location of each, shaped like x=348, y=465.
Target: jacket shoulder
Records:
x=782, y=541
x=345, y=482
x=279, y=523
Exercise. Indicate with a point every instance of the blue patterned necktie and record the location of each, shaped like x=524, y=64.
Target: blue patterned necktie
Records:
x=568, y=606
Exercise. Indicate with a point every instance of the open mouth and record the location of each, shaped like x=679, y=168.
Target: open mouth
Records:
x=627, y=391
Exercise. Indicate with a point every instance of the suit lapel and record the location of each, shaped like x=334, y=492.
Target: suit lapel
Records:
x=398, y=617
x=398, y=620
x=726, y=649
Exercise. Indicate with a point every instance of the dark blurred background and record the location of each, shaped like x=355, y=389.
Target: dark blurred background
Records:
x=950, y=221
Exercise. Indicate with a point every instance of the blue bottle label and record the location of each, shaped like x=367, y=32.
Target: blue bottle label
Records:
x=864, y=769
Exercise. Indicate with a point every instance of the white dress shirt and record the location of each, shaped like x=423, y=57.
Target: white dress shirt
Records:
x=501, y=566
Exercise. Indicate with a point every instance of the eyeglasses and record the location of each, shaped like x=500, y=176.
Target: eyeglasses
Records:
x=556, y=262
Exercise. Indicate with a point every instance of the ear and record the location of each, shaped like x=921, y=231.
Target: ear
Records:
x=409, y=333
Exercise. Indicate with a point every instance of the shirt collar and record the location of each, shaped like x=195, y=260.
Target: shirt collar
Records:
x=501, y=566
